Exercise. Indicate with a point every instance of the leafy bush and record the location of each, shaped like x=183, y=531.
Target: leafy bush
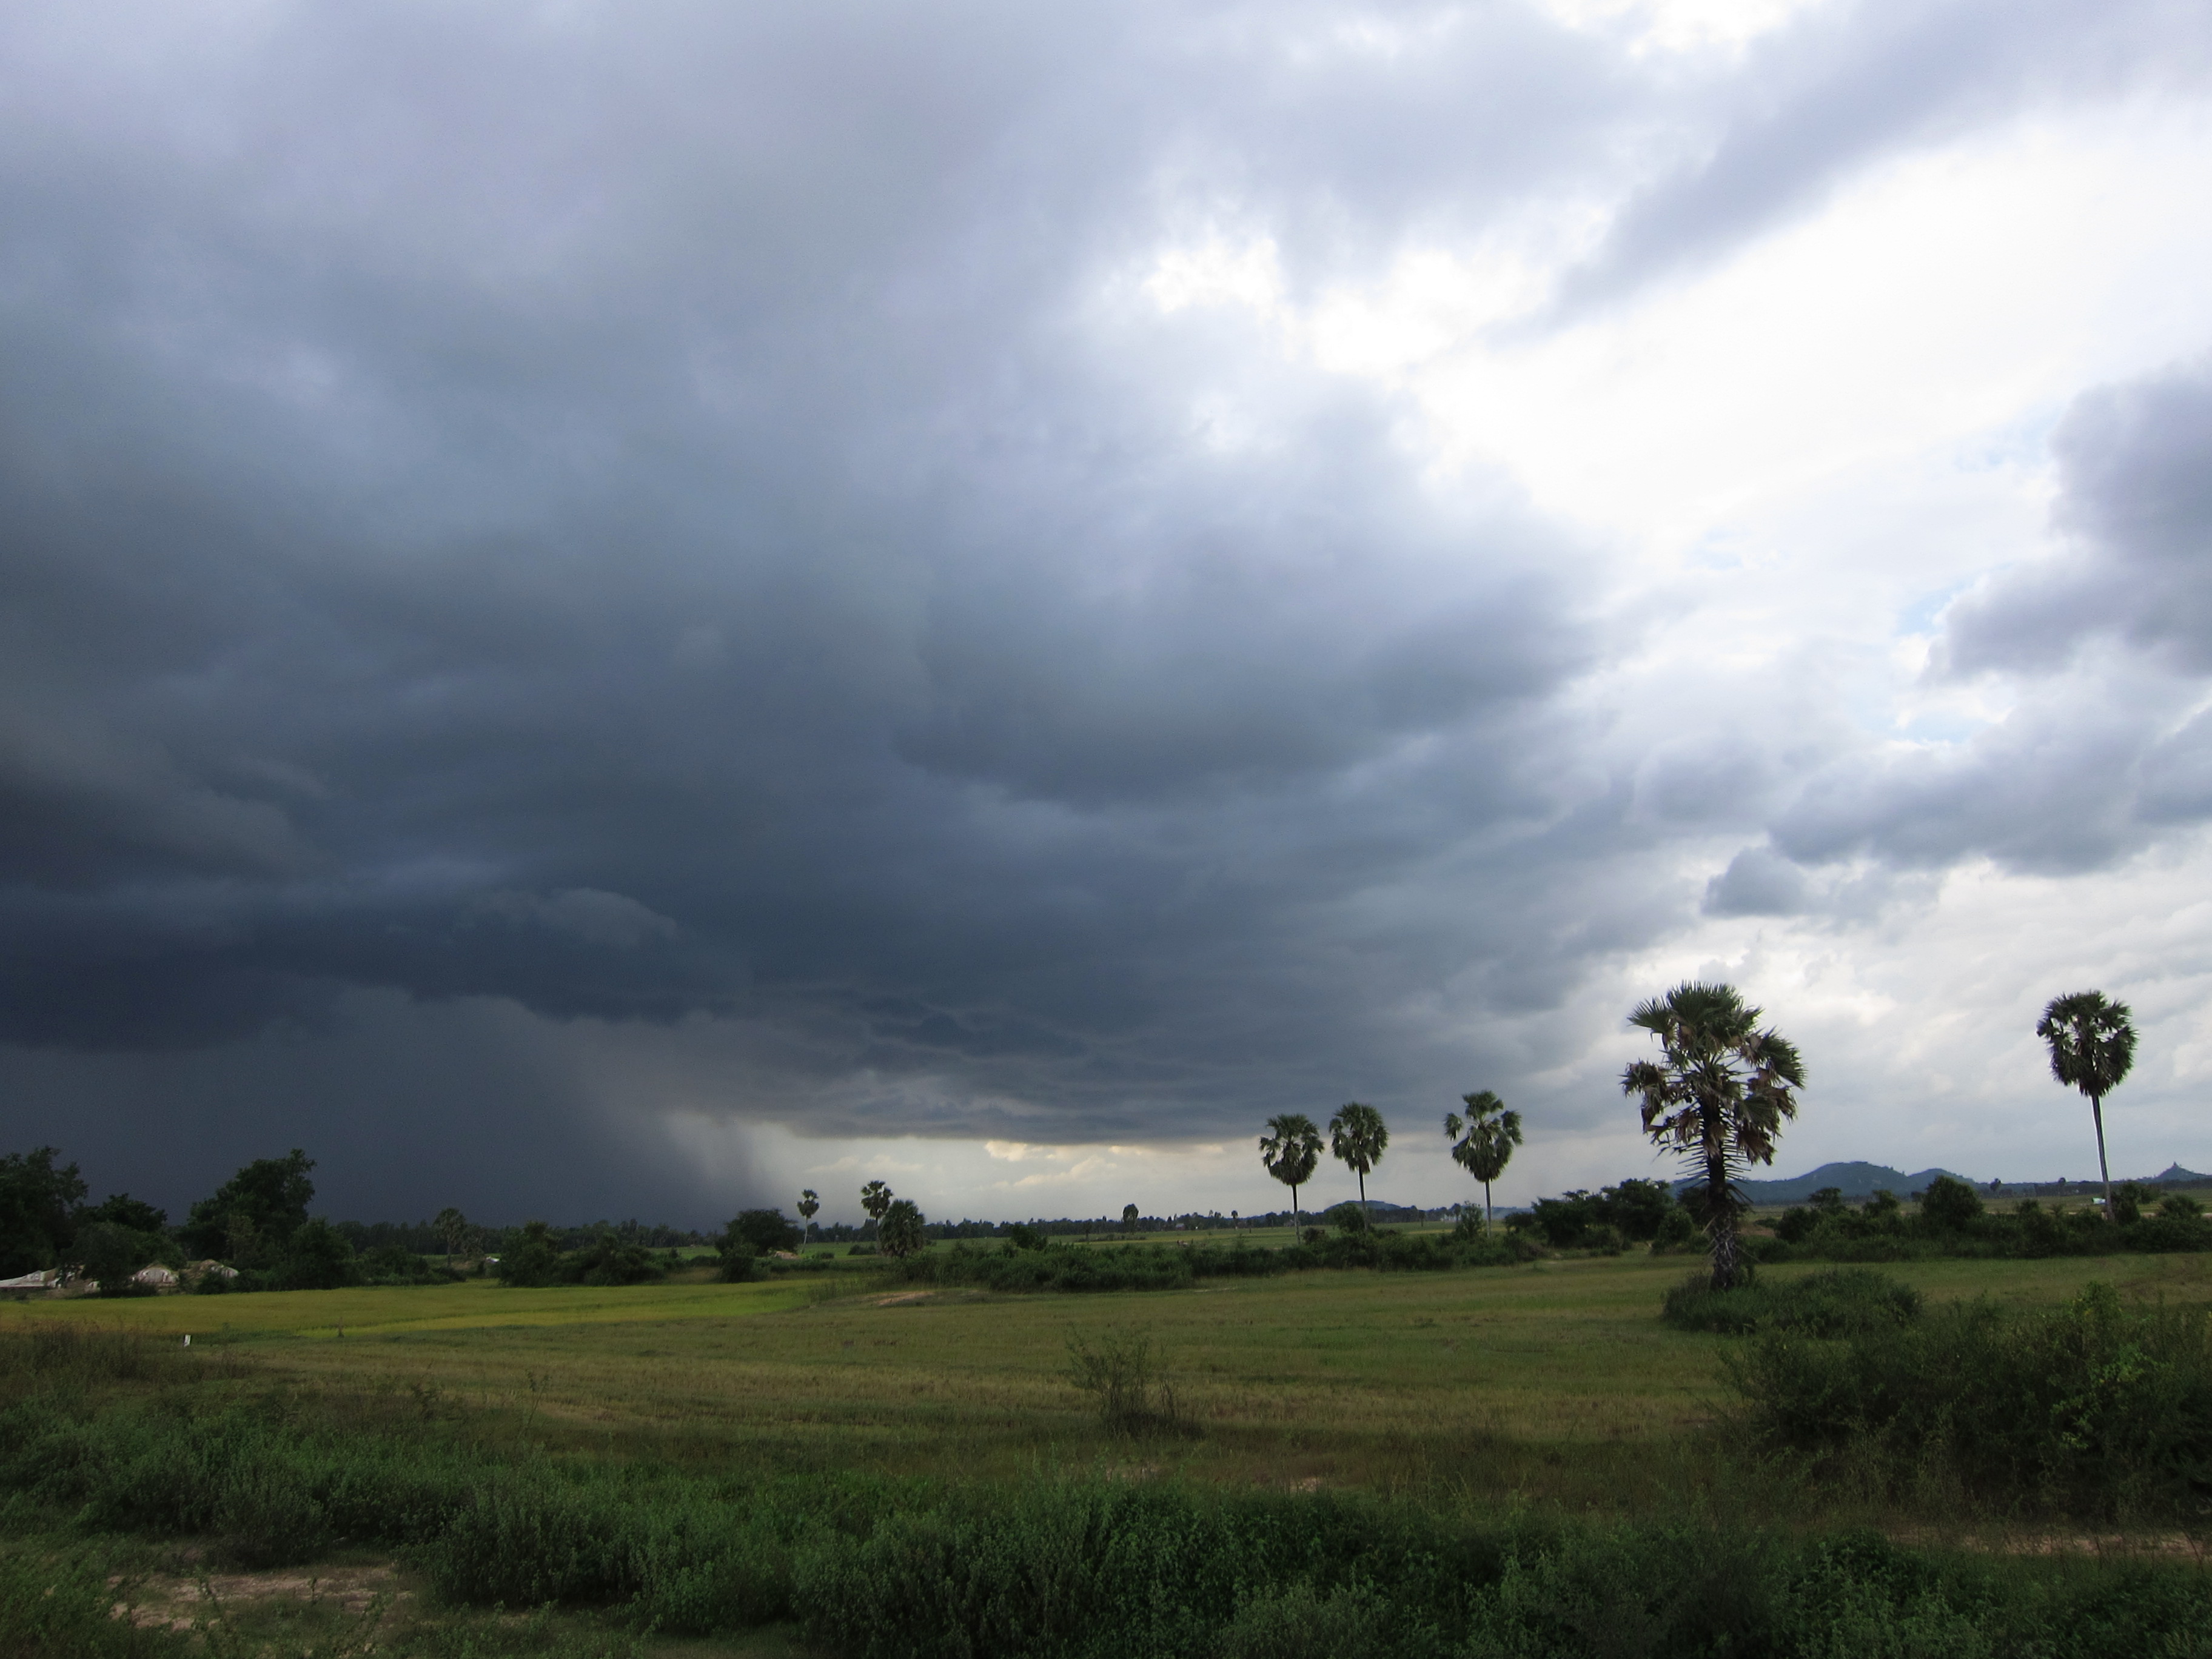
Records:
x=1607, y=1221
x=606, y=1258
x=1841, y=1303
x=2095, y=1408
x=900, y=1232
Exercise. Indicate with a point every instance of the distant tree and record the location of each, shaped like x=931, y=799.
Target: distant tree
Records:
x=1291, y=1152
x=533, y=1260
x=765, y=1231
x=1483, y=1141
x=36, y=1201
x=809, y=1202
x=317, y=1257
x=109, y=1255
x=1129, y=1218
x=876, y=1200
x=609, y=1257
x=125, y=1211
x=899, y=1233
x=1950, y=1203
x=2092, y=1044
x=271, y=1194
x=1357, y=1137
x=453, y=1230
x=1717, y=1094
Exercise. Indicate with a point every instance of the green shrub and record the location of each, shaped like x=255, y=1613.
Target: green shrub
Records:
x=1122, y=1377
x=55, y=1604
x=1047, y=1570
x=1843, y=1302
x=2093, y=1408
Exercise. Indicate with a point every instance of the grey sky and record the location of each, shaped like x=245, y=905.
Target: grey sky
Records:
x=562, y=563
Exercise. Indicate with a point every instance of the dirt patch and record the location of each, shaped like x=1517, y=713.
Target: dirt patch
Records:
x=902, y=1298
x=178, y=1603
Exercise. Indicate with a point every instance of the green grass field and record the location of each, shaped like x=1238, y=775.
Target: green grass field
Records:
x=1553, y=1382
x=1548, y=1394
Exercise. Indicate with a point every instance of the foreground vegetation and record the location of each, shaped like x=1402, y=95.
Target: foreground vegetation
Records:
x=1520, y=1460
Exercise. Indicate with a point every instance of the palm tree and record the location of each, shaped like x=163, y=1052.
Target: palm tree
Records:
x=810, y=1201
x=1483, y=1143
x=2093, y=1044
x=876, y=1198
x=1291, y=1150
x=1718, y=1095
x=1356, y=1136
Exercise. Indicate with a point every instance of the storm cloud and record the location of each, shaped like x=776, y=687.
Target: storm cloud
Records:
x=711, y=522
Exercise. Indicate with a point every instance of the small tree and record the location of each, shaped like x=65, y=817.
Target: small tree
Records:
x=1128, y=1218
x=1717, y=1094
x=809, y=1203
x=876, y=1200
x=109, y=1256
x=270, y=1195
x=453, y=1230
x=1356, y=1136
x=533, y=1259
x=2092, y=1044
x=1483, y=1141
x=900, y=1231
x=1291, y=1152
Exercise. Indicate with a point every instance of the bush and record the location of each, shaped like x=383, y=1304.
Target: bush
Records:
x=900, y=1232
x=1842, y=1302
x=1049, y=1568
x=2093, y=1408
x=1121, y=1375
x=56, y=1604
x=1950, y=1205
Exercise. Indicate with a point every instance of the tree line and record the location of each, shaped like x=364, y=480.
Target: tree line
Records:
x=1717, y=1093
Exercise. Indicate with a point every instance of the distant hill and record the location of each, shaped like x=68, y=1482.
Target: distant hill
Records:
x=1859, y=1180
x=1852, y=1180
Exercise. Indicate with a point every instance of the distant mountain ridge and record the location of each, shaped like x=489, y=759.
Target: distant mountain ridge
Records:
x=1854, y=1180
x=1862, y=1180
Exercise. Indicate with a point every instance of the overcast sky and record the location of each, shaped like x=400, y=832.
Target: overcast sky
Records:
x=614, y=610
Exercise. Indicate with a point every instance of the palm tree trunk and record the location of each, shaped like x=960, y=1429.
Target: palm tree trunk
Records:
x=1485, y=1204
x=1367, y=1218
x=1721, y=1224
x=2103, y=1172
x=1294, y=1212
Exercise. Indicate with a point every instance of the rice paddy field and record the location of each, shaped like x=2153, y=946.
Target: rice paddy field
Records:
x=1555, y=1381
x=1551, y=1387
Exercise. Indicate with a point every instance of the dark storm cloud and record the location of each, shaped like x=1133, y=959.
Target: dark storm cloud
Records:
x=687, y=515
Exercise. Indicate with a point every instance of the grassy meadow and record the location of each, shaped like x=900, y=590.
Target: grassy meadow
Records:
x=1554, y=1382
x=1474, y=1398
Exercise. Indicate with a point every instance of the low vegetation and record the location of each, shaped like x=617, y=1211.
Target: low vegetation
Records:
x=1847, y=1302
x=2095, y=1409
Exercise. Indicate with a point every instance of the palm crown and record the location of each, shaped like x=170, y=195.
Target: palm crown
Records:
x=2092, y=1044
x=1718, y=1094
x=1483, y=1142
x=1356, y=1136
x=1290, y=1151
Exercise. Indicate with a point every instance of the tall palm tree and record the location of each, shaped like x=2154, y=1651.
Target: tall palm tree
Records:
x=1356, y=1136
x=1483, y=1142
x=1717, y=1094
x=876, y=1200
x=809, y=1202
x=1291, y=1150
x=2093, y=1044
